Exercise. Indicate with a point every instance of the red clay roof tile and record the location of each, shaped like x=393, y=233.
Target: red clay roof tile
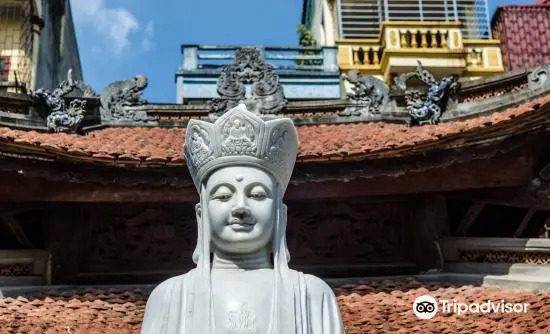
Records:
x=524, y=32
x=366, y=307
x=334, y=141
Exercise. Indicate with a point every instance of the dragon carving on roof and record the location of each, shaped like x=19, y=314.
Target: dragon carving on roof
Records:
x=427, y=107
x=63, y=117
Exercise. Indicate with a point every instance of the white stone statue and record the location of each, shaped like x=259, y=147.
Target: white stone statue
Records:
x=241, y=166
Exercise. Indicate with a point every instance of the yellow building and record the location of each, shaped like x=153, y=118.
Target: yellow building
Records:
x=386, y=38
x=37, y=44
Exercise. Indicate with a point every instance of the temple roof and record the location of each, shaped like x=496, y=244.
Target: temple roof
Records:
x=419, y=114
x=366, y=307
x=318, y=143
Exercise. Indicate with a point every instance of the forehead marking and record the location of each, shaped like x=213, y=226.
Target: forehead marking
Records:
x=239, y=178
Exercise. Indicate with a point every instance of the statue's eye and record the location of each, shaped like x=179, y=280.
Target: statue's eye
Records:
x=223, y=194
x=258, y=196
x=258, y=193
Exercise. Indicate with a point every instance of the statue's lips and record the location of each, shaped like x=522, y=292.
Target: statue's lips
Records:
x=241, y=225
x=237, y=221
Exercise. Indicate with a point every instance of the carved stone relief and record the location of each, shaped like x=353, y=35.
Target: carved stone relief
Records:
x=16, y=269
x=267, y=96
x=369, y=97
x=119, y=96
x=354, y=232
x=539, y=77
x=129, y=237
x=63, y=118
x=427, y=107
x=330, y=233
x=530, y=257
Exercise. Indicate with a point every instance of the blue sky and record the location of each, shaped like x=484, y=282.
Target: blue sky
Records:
x=121, y=38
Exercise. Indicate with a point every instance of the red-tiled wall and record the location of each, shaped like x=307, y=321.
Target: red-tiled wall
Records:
x=524, y=32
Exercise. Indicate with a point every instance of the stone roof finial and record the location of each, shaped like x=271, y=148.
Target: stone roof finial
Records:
x=267, y=95
x=119, y=95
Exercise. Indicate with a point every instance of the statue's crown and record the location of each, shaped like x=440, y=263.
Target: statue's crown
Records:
x=239, y=137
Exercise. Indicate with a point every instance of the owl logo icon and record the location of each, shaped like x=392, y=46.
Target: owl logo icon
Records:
x=425, y=307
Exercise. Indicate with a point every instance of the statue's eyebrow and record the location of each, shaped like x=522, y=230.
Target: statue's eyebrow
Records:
x=221, y=184
x=250, y=186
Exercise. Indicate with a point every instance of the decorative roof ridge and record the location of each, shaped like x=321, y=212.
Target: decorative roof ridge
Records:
x=74, y=107
x=499, y=79
x=159, y=147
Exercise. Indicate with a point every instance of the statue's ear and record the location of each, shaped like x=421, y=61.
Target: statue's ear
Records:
x=284, y=211
x=198, y=211
x=197, y=251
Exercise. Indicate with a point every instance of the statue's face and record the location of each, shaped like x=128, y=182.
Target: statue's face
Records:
x=240, y=208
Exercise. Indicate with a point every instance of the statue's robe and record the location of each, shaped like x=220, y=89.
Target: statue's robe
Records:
x=316, y=310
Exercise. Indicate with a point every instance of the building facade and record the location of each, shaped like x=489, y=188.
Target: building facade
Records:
x=37, y=44
x=385, y=38
x=363, y=19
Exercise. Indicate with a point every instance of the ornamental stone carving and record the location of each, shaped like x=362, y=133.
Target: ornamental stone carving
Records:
x=426, y=107
x=267, y=95
x=68, y=120
x=539, y=77
x=369, y=95
x=118, y=98
x=63, y=118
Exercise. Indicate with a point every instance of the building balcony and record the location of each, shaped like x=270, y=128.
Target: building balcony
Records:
x=440, y=47
x=305, y=73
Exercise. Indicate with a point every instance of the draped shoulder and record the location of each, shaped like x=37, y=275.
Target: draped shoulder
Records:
x=316, y=309
x=323, y=310
x=165, y=307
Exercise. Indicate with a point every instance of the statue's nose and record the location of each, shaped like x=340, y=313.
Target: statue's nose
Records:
x=240, y=211
x=241, y=208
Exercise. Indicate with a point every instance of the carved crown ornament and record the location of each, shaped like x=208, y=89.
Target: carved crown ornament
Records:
x=243, y=137
x=266, y=94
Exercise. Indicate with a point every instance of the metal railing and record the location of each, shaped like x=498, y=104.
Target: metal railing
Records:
x=364, y=18
x=206, y=57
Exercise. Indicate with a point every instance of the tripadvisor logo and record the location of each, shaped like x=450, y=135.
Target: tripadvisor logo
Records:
x=426, y=307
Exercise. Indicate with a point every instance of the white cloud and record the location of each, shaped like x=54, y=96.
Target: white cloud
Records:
x=147, y=42
x=113, y=24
